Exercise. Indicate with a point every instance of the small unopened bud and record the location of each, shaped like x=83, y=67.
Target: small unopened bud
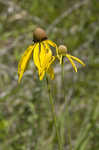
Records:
x=39, y=35
x=62, y=49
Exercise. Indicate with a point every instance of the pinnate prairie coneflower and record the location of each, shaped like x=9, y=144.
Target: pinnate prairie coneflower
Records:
x=42, y=55
x=62, y=52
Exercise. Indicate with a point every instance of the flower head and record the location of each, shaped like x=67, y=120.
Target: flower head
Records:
x=39, y=35
x=62, y=52
x=42, y=55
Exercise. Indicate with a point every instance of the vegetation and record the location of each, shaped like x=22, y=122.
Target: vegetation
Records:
x=26, y=121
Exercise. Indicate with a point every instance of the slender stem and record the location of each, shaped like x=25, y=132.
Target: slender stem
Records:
x=66, y=108
x=53, y=114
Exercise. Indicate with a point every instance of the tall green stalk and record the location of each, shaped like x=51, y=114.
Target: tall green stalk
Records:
x=66, y=108
x=54, y=114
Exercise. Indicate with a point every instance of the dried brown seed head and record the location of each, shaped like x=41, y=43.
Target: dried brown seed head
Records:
x=39, y=35
x=62, y=49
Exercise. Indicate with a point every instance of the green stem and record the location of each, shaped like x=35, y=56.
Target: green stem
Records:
x=53, y=114
x=66, y=108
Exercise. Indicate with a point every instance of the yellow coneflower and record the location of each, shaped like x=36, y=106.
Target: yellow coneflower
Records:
x=62, y=52
x=42, y=55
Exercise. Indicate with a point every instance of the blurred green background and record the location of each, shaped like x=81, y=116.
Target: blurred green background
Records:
x=25, y=118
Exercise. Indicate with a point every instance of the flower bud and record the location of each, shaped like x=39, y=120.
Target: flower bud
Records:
x=62, y=49
x=39, y=35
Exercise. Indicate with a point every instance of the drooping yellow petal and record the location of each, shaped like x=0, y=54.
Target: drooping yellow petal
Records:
x=41, y=74
x=77, y=59
x=42, y=54
x=50, y=71
x=36, y=55
x=73, y=64
x=46, y=57
x=51, y=60
x=51, y=43
x=46, y=61
x=47, y=47
x=24, y=61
